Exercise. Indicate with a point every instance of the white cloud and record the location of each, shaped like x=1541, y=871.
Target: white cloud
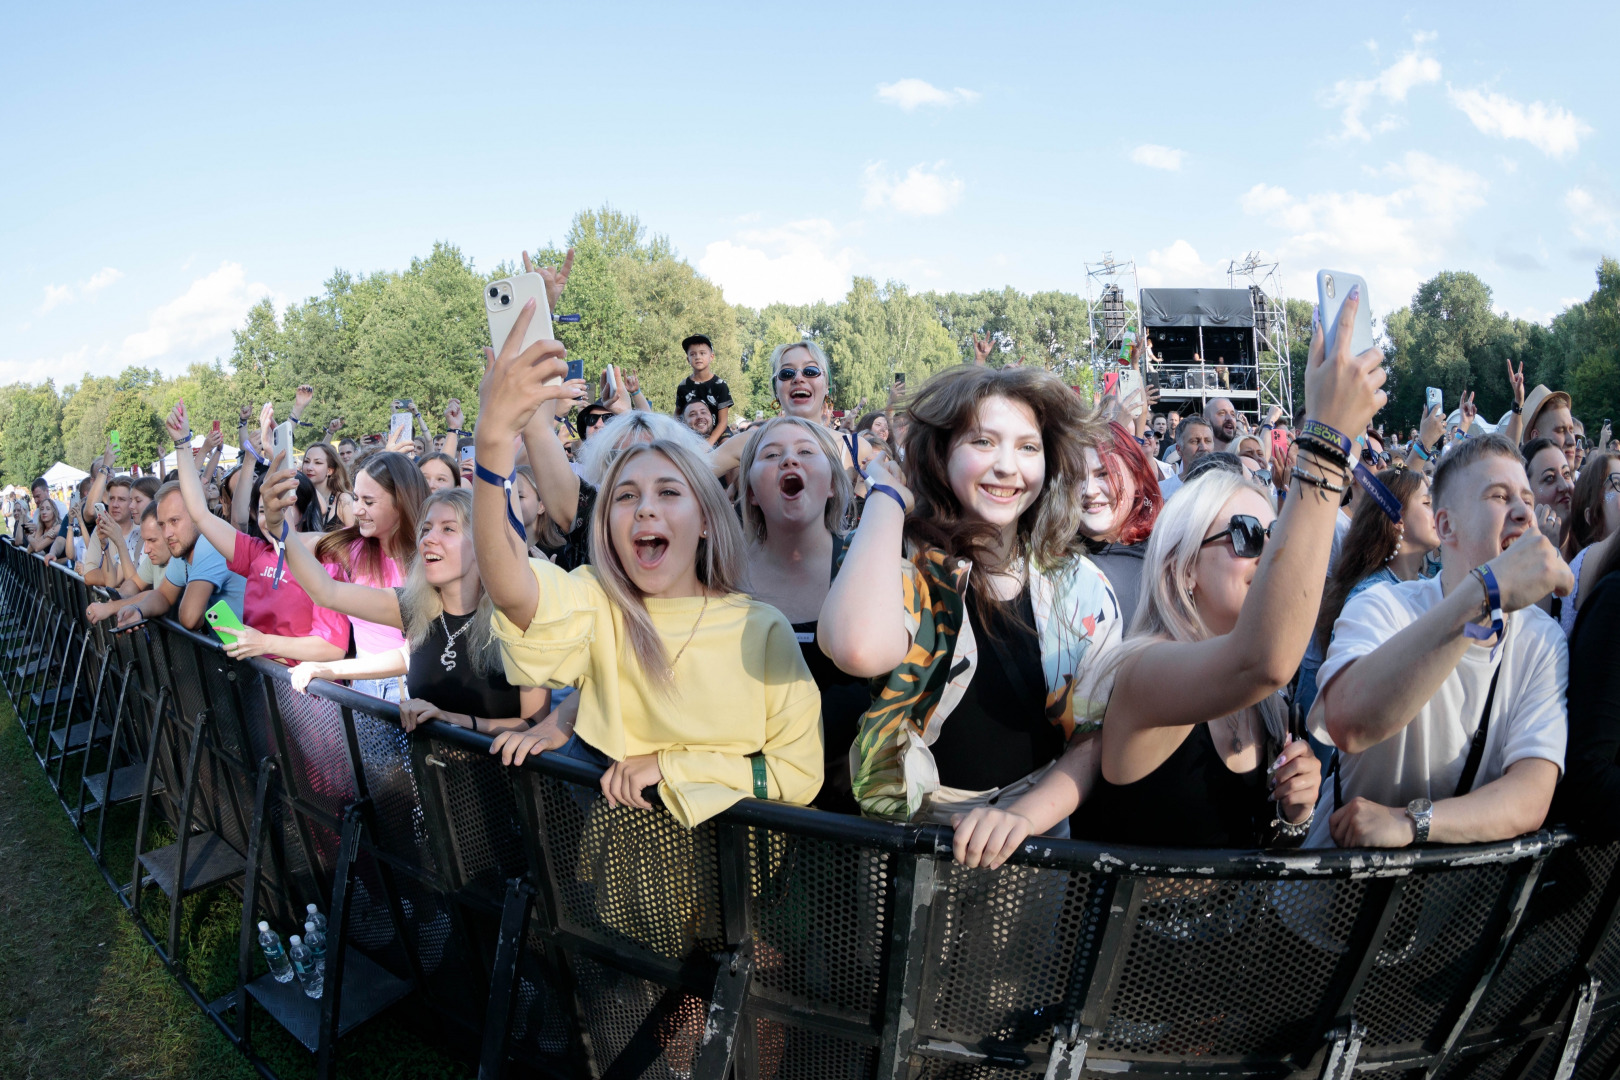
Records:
x=1178, y=266
x=1593, y=218
x=1158, y=157
x=1414, y=68
x=197, y=321
x=797, y=263
x=922, y=191
x=1555, y=132
x=1385, y=237
x=56, y=295
x=910, y=94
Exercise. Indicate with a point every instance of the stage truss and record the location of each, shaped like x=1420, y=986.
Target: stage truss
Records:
x=1264, y=282
x=1113, y=306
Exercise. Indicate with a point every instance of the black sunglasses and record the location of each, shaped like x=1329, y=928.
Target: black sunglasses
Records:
x=788, y=374
x=1248, y=538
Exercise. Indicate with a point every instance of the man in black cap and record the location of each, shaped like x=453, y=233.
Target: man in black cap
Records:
x=703, y=385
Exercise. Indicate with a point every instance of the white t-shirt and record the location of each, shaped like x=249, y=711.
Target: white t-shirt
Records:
x=1341, y=525
x=1169, y=487
x=148, y=571
x=1426, y=758
x=1165, y=471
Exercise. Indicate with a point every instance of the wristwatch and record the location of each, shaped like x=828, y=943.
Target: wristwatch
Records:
x=1421, y=811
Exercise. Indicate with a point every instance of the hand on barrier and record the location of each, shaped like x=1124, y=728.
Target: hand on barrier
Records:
x=622, y=784
x=1364, y=823
x=129, y=616
x=415, y=711
x=301, y=674
x=515, y=746
x=97, y=612
x=987, y=837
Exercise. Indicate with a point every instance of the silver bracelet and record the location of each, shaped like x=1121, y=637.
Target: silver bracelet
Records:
x=1291, y=831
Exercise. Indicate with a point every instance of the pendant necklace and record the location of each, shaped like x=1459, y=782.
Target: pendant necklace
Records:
x=701, y=612
x=448, y=657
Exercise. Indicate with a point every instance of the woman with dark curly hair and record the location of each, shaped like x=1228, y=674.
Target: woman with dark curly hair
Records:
x=974, y=603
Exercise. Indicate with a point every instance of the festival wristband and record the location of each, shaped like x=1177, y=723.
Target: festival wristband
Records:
x=256, y=455
x=1315, y=429
x=184, y=440
x=1386, y=500
x=762, y=789
x=890, y=492
x=1493, y=600
x=854, y=441
x=565, y=318
x=281, y=555
x=1417, y=444
x=495, y=479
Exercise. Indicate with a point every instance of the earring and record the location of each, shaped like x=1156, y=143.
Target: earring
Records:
x=705, y=532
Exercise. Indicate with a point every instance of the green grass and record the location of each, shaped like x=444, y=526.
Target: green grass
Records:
x=81, y=994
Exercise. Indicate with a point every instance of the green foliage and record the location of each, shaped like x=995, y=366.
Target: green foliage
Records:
x=418, y=333
x=30, y=431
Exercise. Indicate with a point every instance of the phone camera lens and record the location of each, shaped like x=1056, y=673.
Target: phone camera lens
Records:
x=494, y=291
x=505, y=300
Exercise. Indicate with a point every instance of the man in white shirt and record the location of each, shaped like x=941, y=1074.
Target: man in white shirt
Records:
x=1414, y=670
x=1194, y=439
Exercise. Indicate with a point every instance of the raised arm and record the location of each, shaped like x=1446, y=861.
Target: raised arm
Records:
x=556, y=483
x=1235, y=670
x=218, y=531
x=359, y=601
x=513, y=388
x=862, y=625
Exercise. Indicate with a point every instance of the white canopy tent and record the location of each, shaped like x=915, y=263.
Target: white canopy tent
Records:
x=62, y=475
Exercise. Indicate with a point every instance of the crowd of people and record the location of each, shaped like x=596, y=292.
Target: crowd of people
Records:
x=988, y=603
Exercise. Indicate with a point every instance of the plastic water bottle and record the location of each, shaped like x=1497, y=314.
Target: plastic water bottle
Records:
x=1126, y=343
x=310, y=977
x=315, y=917
x=274, y=954
x=315, y=942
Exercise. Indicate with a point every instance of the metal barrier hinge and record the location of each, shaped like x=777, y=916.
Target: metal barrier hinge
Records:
x=1068, y=1055
x=1343, y=1051
x=1575, y=1035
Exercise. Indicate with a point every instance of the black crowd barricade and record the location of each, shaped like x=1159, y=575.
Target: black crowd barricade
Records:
x=775, y=941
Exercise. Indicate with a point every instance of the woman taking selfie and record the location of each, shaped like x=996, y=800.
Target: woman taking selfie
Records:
x=977, y=606
x=334, y=502
x=1230, y=595
x=794, y=498
x=452, y=670
x=685, y=683
x=1119, y=502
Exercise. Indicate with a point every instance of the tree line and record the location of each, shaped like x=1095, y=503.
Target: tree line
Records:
x=418, y=333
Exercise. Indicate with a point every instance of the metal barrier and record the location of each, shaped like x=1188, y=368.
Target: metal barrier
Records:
x=777, y=941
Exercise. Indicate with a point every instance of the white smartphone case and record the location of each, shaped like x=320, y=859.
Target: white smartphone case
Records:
x=504, y=299
x=283, y=443
x=1332, y=286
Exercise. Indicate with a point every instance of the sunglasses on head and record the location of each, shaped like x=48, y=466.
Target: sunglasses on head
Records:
x=788, y=374
x=1248, y=536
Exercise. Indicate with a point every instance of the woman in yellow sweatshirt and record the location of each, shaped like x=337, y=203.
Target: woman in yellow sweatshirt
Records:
x=685, y=682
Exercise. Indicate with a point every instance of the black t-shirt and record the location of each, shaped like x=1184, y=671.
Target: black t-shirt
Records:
x=455, y=688
x=715, y=392
x=998, y=733
x=576, y=549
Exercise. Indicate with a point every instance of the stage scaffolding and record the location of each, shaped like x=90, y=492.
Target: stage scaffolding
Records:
x=1264, y=282
x=1111, y=309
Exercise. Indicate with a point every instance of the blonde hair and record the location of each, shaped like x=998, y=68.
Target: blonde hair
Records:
x=599, y=450
x=420, y=604
x=839, y=498
x=816, y=355
x=1164, y=609
x=720, y=562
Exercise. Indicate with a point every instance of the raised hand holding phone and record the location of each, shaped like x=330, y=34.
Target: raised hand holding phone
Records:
x=504, y=303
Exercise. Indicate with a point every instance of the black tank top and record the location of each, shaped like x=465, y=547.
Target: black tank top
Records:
x=844, y=700
x=1192, y=800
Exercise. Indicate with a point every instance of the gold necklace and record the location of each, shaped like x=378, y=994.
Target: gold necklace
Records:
x=701, y=612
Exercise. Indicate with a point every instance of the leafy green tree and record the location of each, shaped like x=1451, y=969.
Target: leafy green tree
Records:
x=30, y=431
x=142, y=439
x=1585, y=343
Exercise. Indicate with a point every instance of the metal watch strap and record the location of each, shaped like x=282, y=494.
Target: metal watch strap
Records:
x=1420, y=820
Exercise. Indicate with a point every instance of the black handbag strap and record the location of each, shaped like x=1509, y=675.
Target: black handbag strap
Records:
x=1476, y=749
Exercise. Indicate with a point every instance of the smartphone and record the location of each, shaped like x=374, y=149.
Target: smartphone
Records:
x=216, y=427
x=1332, y=286
x=399, y=422
x=283, y=444
x=610, y=383
x=504, y=299
x=224, y=621
x=899, y=378
x=101, y=510
x=1130, y=390
x=576, y=369
x=467, y=452
x=1431, y=399
x=1279, y=444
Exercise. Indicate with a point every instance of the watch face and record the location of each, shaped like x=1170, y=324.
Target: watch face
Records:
x=1420, y=806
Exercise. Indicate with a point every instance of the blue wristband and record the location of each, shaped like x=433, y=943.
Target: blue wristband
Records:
x=1386, y=500
x=281, y=555
x=1493, y=599
x=1317, y=430
x=495, y=479
x=890, y=492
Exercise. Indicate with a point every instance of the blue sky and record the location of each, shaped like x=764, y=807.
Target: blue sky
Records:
x=167, y=166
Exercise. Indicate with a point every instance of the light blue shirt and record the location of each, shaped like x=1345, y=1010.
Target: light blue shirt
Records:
x=208, y=565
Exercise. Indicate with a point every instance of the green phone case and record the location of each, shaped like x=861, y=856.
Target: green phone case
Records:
x=224, y=621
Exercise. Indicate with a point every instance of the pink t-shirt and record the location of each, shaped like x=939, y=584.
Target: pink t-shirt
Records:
x=287, y=611
x=371, y=638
